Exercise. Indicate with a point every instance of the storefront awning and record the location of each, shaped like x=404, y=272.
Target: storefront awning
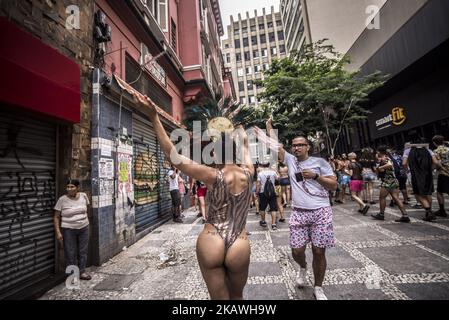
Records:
x=125, y=86
x=36, y=76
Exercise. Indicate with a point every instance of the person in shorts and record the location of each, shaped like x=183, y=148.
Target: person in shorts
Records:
x=265, y=176
x=389, y=186
x=356, y=184
x=173, y=179
x=442, y=155
x=311, y=220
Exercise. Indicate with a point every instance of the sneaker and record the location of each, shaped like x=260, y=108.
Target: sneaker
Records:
x=199, y=215
x=403, y=219
x=318, y=293
x=257, y=212
x=282, y=220
x=301, y=278
x=378, y=216
x=263, y=224
x=417, y=206
x=274, y=227
x=365, y=201
x=177, y=220
x=440, y=213
x=391, y=204
x=364, y=211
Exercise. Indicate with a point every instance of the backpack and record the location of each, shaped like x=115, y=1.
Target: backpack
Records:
x=399, y=171
x=268, y=190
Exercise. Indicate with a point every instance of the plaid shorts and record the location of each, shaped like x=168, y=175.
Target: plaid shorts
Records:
x=312, y=226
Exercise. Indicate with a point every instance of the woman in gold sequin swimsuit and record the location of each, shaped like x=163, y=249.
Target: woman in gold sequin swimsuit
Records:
x=222, y=248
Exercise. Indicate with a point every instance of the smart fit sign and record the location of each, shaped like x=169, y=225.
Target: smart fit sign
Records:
x=395, y=118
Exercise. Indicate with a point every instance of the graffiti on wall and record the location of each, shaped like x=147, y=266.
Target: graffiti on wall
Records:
x=146, y=178
x=25, y=197
x=124, y=210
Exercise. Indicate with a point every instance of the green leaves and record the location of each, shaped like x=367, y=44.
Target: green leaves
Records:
x=311, y=91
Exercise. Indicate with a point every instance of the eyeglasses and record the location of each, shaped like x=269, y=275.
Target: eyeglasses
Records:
x=294, y=146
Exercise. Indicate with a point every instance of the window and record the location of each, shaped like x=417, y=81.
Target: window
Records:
x=253, y=28
x=158, y=9
x=173, y=36
x=254, y=40
x=256, y=68
x=252, y=99
x=241, y=86
x=263, y=38
x=280, y=35
x=273, y=51
x=237, y=43
x=249, y=85
x=163, y=14
x=247, y=56
x=245, y=31
x=282, y=48
x=236, y=32
x=228, y=58
x=245, y=42
x=261, y=26
x=243, y=100
x=278, y=23
x=238, y=57
x=249, y=70
x=256, y=54
x=271, y=37
x=264, y=52
x=270, y=24
x=240, y=72
x=227, y=46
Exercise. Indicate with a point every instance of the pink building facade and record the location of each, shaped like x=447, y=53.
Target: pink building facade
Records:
x=170, y=51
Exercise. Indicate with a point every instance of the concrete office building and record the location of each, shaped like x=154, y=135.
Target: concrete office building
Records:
x=340, y=21
x=252, y=44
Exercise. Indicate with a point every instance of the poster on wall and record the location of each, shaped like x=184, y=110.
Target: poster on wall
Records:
x=106, y=187
x=106, y=170
x=125, y=162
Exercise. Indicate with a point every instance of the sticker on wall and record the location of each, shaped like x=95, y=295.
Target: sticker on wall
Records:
x=106, y=169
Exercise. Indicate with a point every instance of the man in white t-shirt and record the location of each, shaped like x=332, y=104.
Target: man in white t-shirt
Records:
x=312, y=217
x=265, y=199
x=173, y=179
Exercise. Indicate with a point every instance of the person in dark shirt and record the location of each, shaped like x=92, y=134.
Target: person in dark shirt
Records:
x=356, y=184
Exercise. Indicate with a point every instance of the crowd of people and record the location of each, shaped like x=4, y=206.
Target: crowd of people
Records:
x=414, y=168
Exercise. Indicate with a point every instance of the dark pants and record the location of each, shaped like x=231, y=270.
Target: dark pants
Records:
x=76, y=242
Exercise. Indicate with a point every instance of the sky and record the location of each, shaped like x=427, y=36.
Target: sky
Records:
x=234, y=7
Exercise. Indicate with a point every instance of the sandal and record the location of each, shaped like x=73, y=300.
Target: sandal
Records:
x=85, y=276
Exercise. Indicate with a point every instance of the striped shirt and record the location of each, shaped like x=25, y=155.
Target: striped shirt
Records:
x=73, y=211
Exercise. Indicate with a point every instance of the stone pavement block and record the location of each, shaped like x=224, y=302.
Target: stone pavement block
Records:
x=425, y=291
x=343, y=220
x=196, y=230
x=257, y=237
x=441, y=246
x=337, y=258
x=415, y=230
x=116, y=282
x=265, y=292
x=124, y=266
x=362, y=233
x=353, y=292
x=264, y=269
x=280, y=238
x=406, y=259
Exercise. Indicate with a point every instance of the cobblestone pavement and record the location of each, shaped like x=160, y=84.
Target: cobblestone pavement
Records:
x=372, y=260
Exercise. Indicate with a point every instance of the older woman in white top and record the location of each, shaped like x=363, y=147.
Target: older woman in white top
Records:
x=72, y=226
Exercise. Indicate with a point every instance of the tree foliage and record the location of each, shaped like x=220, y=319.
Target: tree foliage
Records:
x=311, y=91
